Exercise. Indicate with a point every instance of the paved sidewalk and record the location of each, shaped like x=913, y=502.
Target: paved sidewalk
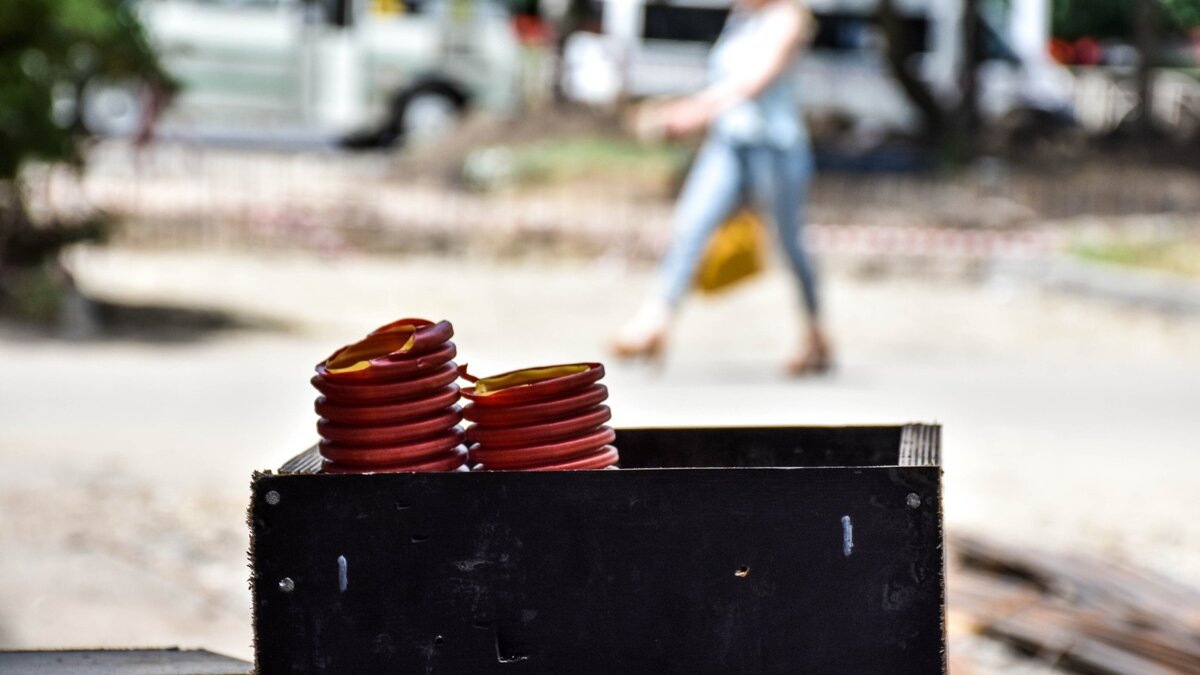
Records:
x=1067, y=423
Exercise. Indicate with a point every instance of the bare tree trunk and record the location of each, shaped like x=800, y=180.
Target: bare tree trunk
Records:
x=934, y=117
x=1146, y=37
x=13, y=217
x=972, y=52
x=24, y=243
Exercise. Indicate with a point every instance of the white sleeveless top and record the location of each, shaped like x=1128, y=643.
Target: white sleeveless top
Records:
x=771, y=118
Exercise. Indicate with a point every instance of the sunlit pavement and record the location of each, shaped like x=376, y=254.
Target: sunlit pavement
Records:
x=1068, y=423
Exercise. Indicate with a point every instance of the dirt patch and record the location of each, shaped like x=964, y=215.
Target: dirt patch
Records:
x=443, y=161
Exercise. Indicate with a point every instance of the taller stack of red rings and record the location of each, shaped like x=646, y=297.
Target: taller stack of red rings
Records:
x=389, y=402
x=540, y=419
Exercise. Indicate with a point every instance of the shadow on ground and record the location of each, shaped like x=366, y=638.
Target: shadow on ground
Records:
x=87, y=320
x=6, y=637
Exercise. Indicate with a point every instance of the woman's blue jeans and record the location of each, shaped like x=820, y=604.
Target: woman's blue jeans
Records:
x=724, y=177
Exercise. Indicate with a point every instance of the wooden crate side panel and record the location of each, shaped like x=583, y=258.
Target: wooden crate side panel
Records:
x=760, y=447
x=666, y=571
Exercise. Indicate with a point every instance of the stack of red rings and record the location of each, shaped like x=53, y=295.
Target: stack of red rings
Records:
x=540, y=419
x=389, y=402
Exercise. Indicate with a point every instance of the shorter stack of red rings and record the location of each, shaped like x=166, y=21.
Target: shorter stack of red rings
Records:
x=540, y=419
x=389, y=402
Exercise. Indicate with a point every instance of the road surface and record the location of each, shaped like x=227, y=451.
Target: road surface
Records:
x=1068, y=423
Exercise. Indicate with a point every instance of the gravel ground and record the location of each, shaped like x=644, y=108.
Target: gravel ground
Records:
x=1068, y=423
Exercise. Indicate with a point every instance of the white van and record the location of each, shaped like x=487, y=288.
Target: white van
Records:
x=659, y=48
x=343, y=69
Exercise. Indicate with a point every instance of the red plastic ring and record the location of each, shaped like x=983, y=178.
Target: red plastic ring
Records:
x=535, y=413
x=604, y=459
x=539, y=433
x=537, y=391
x=426, y=335
x=530, y=455
x=341, y=392
x=351, y=455
x=454, y=460
x=392, y=434
x=392, y=368
x=423, y=336
x=387, y=413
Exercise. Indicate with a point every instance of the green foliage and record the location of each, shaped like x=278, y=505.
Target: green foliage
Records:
x=1174, y=257
x=1074, y=19
x=48, y=49
x=1183, y=13
x=559, y=161
x=587, y=158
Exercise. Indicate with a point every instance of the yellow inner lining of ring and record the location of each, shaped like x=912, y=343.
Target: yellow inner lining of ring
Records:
x=358, y=356
x=491, y=385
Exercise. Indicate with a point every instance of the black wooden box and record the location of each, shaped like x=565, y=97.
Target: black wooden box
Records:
x=765, y=550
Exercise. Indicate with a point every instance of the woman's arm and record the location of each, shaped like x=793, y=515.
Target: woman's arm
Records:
x=787, y=25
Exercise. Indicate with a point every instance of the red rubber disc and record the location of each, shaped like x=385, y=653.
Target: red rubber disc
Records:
x=605, y=459
x=536, y=413
x=602, y=460
x=517, y=457
x=390, y=434
x=340, y=392
x=454, y=460
x=426, y=335
x=387, y=413
x=539, y=433
x=537, y=391
x=381, y=455
x=388, y=368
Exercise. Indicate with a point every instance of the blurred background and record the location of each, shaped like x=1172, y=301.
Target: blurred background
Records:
x=201, y=199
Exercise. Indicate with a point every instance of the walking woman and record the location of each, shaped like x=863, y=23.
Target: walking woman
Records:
x=756, y=146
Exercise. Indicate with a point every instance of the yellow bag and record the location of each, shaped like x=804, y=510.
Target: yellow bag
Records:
x=735, y=253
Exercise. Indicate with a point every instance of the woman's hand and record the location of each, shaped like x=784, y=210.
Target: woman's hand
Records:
x=686, y=116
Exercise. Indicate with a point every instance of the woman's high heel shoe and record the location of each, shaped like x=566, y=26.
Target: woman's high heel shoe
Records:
x=645, y=335
x=817, y=358
x=814, y=362
x=651, y=348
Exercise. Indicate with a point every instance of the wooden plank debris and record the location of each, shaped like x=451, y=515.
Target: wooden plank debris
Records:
x=1082, y=614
